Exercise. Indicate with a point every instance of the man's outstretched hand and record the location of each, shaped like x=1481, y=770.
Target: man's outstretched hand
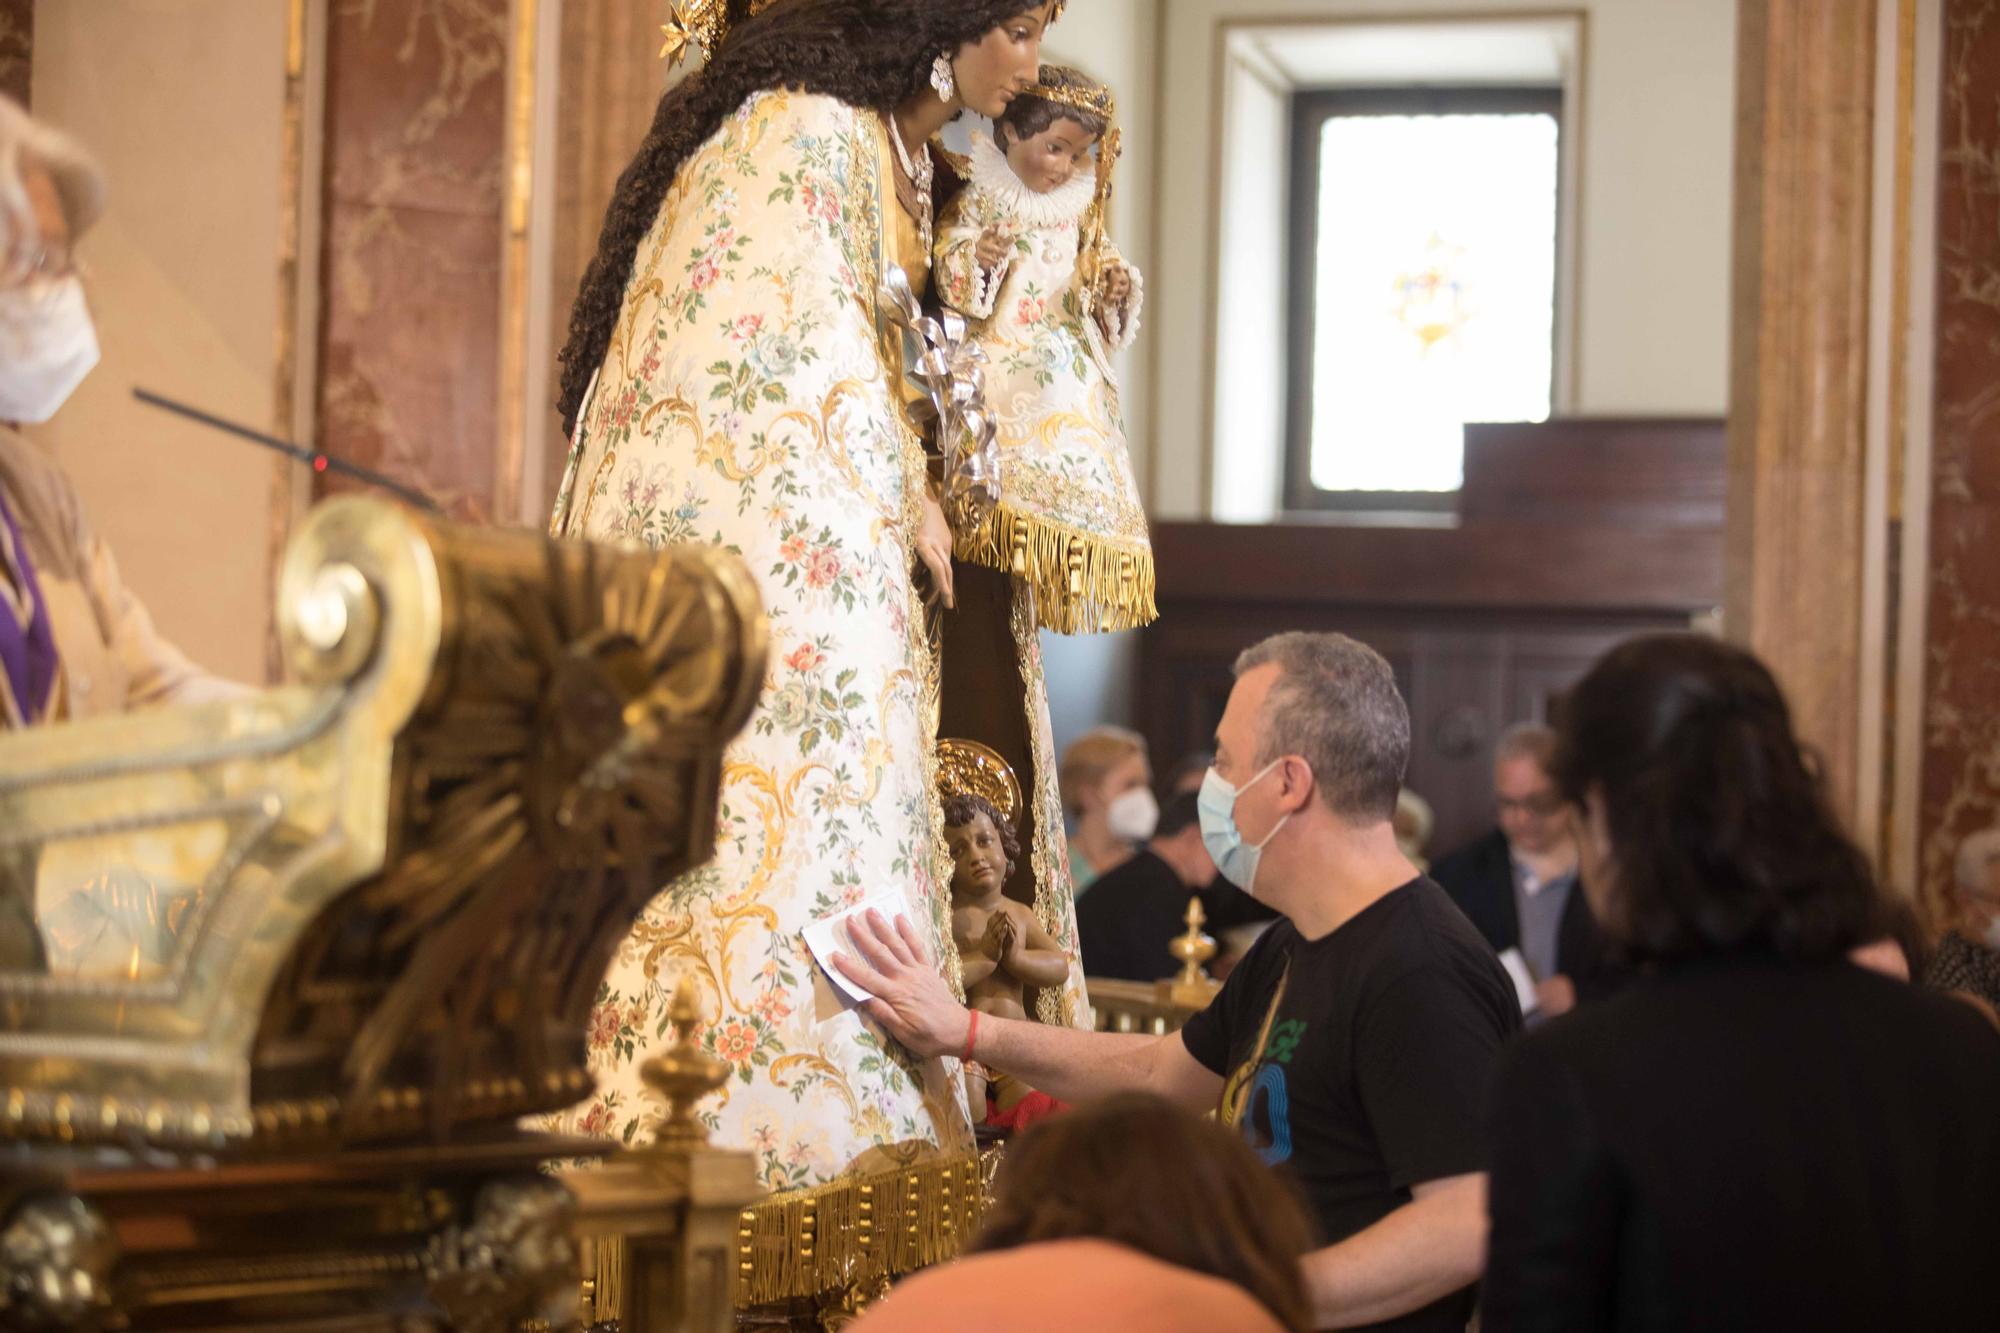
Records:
x=911, y=1002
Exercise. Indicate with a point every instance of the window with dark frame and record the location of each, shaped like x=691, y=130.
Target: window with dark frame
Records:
x=1422, y=286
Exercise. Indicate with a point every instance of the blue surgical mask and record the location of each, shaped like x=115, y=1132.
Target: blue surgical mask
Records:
x=1235, y=858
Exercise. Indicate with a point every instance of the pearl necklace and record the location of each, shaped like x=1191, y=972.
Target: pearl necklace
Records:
x=920, y=179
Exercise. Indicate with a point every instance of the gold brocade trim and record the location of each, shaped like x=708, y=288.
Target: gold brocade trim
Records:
x=861, y=1230
x=1084, y=583
x=925, y=649
x=1054, y=896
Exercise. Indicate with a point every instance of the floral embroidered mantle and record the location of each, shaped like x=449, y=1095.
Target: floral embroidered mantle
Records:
x=745, y=401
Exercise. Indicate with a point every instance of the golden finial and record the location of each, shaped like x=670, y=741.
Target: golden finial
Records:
x=683, y=1074
x=694, y=23
x=702, y=23
x=1193, y=986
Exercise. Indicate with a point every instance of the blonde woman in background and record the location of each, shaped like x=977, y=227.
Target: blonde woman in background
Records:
x=1107, y=793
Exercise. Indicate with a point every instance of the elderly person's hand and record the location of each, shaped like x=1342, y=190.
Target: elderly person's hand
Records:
x=911, y=1002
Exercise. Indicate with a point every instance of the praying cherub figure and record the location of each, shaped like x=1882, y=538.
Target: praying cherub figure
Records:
x=1002, y=948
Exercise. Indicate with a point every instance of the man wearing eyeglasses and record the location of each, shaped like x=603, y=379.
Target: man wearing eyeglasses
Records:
x=1518, y=884
x=74, y=641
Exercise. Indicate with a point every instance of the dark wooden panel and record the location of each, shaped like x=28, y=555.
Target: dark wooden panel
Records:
x=1606, y=472
x=1490, y=566
x=1484, y=625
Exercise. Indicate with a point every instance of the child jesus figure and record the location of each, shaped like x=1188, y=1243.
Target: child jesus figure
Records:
x=1002, y=948
x=1022, y=254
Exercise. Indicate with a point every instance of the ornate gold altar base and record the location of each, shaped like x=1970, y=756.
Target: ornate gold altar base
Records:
x=806, y=1258
x=467, y=1236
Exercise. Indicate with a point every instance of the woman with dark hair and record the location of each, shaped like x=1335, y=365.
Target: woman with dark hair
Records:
x=1760, y=1134
x=1126, y=1214
x=734, y=376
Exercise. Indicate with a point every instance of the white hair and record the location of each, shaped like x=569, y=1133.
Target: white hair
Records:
x=1527, y=740
x=79, y=181
x=1976, y=856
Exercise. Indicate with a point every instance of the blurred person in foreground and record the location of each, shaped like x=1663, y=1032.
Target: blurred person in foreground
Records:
x=74, y=641
x=1126, y=1214
x=1758, y=1133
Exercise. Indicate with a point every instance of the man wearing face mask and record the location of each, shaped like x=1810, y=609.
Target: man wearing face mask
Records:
x=1353, y=1046
x=74, y=641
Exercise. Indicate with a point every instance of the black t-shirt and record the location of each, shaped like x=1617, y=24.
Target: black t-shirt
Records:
x=1361, y=1062
x=1130, y=916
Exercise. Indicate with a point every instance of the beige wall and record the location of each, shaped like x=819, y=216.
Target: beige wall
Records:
x=183, y=103
x=1654, y=185
x=1116, y=41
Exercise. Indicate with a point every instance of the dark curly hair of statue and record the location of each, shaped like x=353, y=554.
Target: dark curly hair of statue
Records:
x=1721, y=836
x=867, y=53
x=1028, y=115
x=960, y=811
x=1137, y=1170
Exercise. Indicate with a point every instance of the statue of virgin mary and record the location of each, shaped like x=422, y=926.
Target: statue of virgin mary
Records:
x=734, y=376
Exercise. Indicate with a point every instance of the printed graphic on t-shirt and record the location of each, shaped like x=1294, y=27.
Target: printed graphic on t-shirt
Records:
x=1256, y=1100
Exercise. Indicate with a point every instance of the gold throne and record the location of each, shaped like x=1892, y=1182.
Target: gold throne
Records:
x=279, y=976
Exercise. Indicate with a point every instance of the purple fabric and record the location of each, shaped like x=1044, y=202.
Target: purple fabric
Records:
x=29, y=658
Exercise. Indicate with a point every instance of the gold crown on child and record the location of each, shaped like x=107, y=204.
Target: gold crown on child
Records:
x=1097, y=101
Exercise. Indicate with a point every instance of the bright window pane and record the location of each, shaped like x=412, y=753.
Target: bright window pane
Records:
x=1436, y=292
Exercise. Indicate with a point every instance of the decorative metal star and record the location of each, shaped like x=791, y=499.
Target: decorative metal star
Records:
x=679, y=37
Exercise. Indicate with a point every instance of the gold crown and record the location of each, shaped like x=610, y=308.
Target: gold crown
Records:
x=967, y=768
x=1097, y=101
x=705, y=23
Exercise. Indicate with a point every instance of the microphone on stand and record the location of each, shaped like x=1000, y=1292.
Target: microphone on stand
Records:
x=318, y=461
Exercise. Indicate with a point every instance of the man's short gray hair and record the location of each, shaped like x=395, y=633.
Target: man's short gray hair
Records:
x=1335, y=704
x=1527, y=740
x=79, y=182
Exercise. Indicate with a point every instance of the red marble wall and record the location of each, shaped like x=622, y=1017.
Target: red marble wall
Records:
x=17, y=35
x=1961, y=779
x=410, y=300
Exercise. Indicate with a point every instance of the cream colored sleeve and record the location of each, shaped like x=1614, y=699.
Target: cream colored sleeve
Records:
x=962, y=283
x=156, y=672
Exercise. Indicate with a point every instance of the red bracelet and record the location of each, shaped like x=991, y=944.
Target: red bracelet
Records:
x=971, y=1033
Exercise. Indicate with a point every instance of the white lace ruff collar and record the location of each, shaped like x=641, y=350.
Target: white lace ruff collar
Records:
x=992, y=176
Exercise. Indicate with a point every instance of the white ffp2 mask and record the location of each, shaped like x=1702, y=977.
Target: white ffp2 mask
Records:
x=47, y=346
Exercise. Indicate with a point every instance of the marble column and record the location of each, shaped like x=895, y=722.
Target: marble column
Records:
x=17, y=36
x=1799, y=361
x=415, y=137
x=1961, y=769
